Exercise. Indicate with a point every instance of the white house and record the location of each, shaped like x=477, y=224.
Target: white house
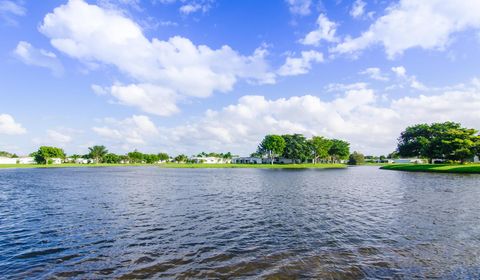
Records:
x=476, y=159
x=55, y=160
x=83, y=160
x=26, y=160
x=210, y=160
x=7, y=160
x=247, y=160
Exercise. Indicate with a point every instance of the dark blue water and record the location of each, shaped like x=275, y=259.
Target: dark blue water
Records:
x=147, y=222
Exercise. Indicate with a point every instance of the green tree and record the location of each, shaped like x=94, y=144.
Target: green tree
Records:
x=448, y=140
x=356, y=158
x=136, y=157
x=163, y=156
x=272, y=146
x=45, y=153
x=340, y=150
x=181, y=158
x=97, y=153
x=111, y=158
x=150, y=158
x=296, y=147
x=320, y=147
x=6, y=154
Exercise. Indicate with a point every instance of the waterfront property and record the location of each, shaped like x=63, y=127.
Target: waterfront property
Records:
x=246, y=160
x=210, y=160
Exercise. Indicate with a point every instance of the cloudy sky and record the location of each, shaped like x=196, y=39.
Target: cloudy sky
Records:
x=185, y=76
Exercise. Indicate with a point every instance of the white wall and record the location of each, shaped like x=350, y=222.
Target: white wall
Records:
x=5, y=160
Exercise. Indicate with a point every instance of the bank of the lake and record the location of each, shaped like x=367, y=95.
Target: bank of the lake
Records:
x=439, y=168
x=181, y=165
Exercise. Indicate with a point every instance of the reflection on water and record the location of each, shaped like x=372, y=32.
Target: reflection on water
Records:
x=140, y=222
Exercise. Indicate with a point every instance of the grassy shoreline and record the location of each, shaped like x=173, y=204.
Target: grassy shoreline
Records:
x=180, y=165
x=436, y=168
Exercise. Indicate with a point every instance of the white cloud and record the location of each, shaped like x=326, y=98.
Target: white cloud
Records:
x=358, y=114
x=9, y=126
x=300, y=65
x=412, y=81
x=411, y=23
x=190, y=8
x=375, y=73
x=358, y=9
x=185, y=69
x=400, y=71
x=38, y=57
x=326, y=30
x=9, y=10
x=299, y=7
x=58, y=137
x=129, y=132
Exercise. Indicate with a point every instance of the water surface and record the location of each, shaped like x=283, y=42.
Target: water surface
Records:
x=140, y=222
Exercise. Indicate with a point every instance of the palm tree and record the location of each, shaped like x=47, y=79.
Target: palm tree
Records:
x=97, y=153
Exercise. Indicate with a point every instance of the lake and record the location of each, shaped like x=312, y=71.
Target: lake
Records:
x=141, y=222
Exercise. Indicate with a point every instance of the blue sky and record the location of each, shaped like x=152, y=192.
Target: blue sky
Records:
x=185, y=76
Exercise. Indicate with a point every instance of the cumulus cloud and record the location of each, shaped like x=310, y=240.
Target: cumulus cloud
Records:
x=29, y=55
x=358, y=114
x=375, y=73
x=358, y=9
x=299, y=7
x=300, y=65
x=127, y=133
x=326, y=30
x=176, y=66
x=9, y=126
x=416, y=24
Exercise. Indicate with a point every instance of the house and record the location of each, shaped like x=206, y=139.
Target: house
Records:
x=7, y=160
x=26, y=160
x=247, y=160
x=55, y=160
x=83, y=161
x=210, y=160
x=408, y=160
x=476, y=159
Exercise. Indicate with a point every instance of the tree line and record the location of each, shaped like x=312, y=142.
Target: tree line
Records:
x=298, y=148
x=447, y=141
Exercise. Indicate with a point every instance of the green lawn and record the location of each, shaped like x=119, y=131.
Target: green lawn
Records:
x=441, y=168
x=181, y=165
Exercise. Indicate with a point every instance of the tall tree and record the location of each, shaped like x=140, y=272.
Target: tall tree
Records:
x=111, y=158
x=296, y=147
x=272, y=146
x=356, y=158
x=181, y=158
x=136, y=157
x=163, y=156
x=97, y=153
x=45, y=153
x=319, y=147
x=340, y=150
x=448, y=140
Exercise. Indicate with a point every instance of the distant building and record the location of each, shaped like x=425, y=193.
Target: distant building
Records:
x=83, y=160
x=210, y=160
x=55, y=160
x=26, y=160
x=247, y=160
x=476, y=159
x=7, y=160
